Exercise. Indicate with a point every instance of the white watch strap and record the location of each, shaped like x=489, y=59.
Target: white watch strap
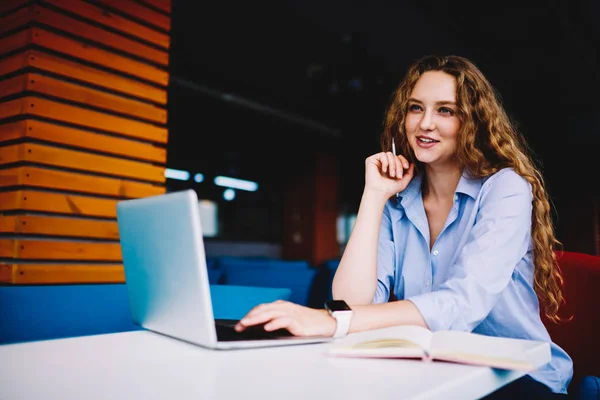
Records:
x=343, y=319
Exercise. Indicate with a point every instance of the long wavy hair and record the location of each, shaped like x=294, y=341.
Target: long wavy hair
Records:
x=488, y=141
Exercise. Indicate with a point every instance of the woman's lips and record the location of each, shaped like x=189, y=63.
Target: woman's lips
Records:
x=427, y=144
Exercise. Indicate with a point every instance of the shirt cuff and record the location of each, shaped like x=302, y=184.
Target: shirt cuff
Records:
x=382, y=293
x=438, y=311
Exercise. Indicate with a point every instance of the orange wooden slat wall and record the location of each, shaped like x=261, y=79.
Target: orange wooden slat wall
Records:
x=83, y=125
x=56, y=20
x=106, y=80
x=7, y=5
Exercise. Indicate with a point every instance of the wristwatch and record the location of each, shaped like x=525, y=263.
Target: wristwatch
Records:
x=342, y=313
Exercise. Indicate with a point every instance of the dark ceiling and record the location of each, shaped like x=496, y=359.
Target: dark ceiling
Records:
x=268, y=81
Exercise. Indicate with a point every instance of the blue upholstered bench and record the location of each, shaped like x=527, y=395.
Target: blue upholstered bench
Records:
x=233, y=301
x=57, y=311
x=296, y=275
x=29, y=313
x=231, y=264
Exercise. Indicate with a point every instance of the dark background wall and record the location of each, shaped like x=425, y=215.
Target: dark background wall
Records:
x=264, y=84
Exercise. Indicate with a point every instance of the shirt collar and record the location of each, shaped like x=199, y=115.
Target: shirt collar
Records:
x=411, y=191
x=469, y=185
x=466, y=184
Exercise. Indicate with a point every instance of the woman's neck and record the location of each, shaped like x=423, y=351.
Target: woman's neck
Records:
x=440, y=184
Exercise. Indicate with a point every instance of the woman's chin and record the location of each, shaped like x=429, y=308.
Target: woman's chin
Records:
x=425, y=158
x=438, y=163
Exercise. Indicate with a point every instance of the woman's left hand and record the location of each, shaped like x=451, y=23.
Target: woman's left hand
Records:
x=297, y=319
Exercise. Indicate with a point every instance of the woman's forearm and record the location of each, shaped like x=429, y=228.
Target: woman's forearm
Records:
x=355, y=280
x=375, y=316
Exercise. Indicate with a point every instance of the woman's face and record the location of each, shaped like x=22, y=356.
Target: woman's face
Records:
x=431, y=122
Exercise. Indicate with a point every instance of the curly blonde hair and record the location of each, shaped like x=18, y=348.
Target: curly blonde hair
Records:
x=487, y=142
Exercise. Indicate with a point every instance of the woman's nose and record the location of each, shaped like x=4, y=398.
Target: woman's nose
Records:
x=427, y=122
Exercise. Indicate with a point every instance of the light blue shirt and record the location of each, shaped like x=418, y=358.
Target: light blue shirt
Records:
x=479, y=274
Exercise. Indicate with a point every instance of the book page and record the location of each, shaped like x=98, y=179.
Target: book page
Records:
x=393, y=342
x=477, y=349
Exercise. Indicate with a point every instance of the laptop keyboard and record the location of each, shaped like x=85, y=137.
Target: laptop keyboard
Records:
x=227, y=333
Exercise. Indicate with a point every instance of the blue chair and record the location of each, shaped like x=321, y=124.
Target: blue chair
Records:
x=298, y=280
x=233, y=301
x=231, y=264
x=587, y=389
x=215, y=275
x=215, y=270
x=321, y=290
x=39, y=312
x=210, y=262
x=331, y=267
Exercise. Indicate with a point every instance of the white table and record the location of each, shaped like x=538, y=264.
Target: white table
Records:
x=145, y=365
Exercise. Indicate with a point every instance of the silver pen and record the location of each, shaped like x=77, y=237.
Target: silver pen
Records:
x=394, y=153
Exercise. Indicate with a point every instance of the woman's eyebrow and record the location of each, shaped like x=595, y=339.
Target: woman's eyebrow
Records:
x=442, y=102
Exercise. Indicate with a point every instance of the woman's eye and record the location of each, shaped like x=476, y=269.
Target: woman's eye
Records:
x=414, y=107
x=446, y=110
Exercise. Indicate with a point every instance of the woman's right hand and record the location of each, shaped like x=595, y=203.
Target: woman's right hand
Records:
x=387, y=173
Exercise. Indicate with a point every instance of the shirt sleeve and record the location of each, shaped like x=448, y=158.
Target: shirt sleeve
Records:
x=385, y=260
x=497, y=242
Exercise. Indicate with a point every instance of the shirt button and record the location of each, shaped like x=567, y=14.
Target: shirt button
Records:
x=435, y=252
x=428, y=283
x=455, y=197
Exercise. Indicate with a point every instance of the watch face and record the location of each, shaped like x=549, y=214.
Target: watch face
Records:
x=337, y=305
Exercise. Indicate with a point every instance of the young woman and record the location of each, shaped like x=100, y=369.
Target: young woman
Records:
x=457, y=226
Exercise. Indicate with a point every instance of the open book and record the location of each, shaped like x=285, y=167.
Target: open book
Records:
x=451, y=346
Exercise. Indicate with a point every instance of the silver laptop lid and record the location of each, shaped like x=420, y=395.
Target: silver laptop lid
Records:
x=165, y=266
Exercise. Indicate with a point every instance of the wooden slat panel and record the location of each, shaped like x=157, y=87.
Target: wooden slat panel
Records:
x=81, y=116
x=95, y=77
x=59, y=226
x=6, y=5
x=75, y=70
x=84, y=30
x=15, y=20
x=69, y=181
x=92, y=97
x=114, y=21
x=88, y=52
x=58, y=274
x=34, y=82
x=61, y=273
x=8, y=224
x=99, y=35
x=15, y=41
x=11, y=154
x=139, y=11
x=12, y=108
x=59, y=250
x=30, y=200
x=12, y=63
x=82, y=139
x=38, y=153
x=164, y=5
x=11, y=86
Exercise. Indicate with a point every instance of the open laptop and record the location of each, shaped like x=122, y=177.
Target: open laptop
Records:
x=167, y=278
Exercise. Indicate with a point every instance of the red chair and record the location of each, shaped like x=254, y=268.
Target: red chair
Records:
x=579, y=337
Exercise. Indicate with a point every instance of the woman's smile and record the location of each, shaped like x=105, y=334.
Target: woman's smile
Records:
x=426, y=142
